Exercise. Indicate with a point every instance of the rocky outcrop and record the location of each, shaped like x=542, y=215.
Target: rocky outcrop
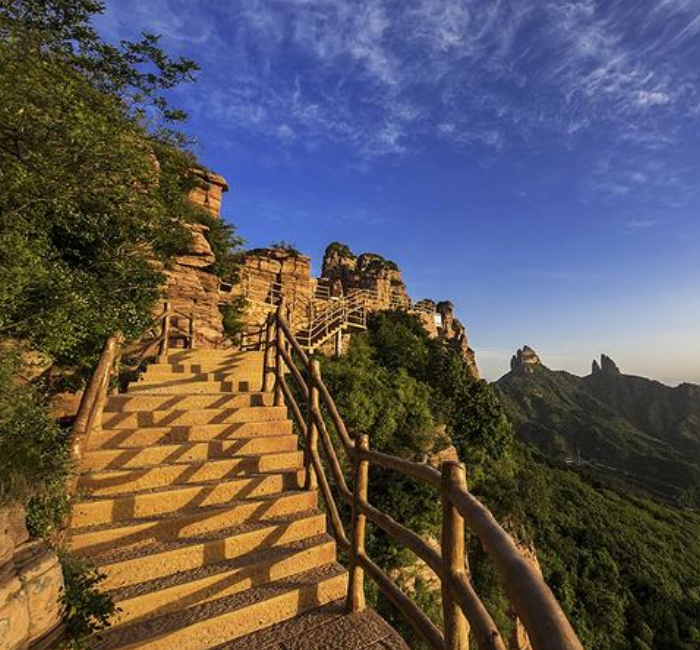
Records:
x=209, y=190
x=606, y=365
x=190, y=288
x=271, y=273
x=193, y=291
x=525, y=360
x=31, y=584
x=343, y=271
x=455, y=336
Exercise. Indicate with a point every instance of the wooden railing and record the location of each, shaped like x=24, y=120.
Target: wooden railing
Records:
x=463, y=611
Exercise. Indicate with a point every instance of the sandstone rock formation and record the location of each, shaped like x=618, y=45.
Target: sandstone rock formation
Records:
x=606, y=365
x=31, y=583
x=190, y=288
x=524, y=360
x=342, y=271
x=269, y=274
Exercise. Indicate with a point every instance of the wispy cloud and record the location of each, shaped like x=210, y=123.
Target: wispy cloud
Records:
x=381, y=76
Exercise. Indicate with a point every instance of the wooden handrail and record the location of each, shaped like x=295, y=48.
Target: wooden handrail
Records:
x=543, y=618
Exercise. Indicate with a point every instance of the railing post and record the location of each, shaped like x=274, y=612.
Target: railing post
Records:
x=356, y=585
x=268, y=377
x=456, y=629
x=279, y=361
x=165, y=329
x=311, y=481
x=193, y=332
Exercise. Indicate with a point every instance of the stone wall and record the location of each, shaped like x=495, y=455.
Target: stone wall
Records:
x=31, y=584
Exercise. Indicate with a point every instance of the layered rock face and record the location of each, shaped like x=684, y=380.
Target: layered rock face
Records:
x=190, y=288
x=525, y=360
x=271, y=273
x=343, y=271
x=31, y=583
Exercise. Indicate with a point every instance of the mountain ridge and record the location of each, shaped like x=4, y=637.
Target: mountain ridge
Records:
x=623, y=429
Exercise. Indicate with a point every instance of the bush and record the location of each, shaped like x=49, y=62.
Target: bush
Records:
x=34, y=461
x=87, y=610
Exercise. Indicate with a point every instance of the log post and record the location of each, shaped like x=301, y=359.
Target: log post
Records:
x=165, y=329
x=193, y=331
x=267, y=379
x=279, y=361
x=456, y=629
x=356, y=585
x=311, y=448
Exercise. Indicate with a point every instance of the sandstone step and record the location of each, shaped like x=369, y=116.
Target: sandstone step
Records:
x=144, y=437
x=193, y=356
x=151, y=560
x=128, y=403
x=175, y=417
x=161, y=376
x=207, y=365
x=135, y=457
x=116, y=481
x=328, y=627
x=203, y=626
x=193, y=521
x=92, y=511
x=187, y=588
x=196, y=387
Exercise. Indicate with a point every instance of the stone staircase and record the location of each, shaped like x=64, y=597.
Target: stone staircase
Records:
x=191, y=503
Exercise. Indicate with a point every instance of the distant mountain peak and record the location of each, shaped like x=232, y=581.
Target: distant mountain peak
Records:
x=525, y=360
x=606, y=365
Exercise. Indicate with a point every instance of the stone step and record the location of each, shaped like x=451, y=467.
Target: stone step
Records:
x=176, y=417
x=117, y=481
x=194, y=356
x=251, y=375
x=189, y=522
x=203, y=584
x=203, y=626
x=133, y=403
x=129, y=566
x=124, y=507
x=135, y=457
x=145, y=437
x=207, y=365
x=196, y=387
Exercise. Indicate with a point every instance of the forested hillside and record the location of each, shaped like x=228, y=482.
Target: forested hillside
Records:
x=626, y=569
x=626, y=430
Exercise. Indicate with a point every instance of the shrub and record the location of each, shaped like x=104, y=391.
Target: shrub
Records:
x=87, y=610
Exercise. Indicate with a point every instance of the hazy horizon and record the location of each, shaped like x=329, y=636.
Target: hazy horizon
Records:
x=534, y=162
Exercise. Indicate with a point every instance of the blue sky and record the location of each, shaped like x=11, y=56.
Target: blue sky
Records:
x=535, y=161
